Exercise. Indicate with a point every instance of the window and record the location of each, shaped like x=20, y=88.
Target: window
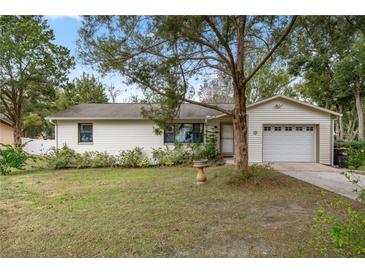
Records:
x=309, y=129
x=299, y=128
x=169, y=134
x=267, y=128
x=85, y=133
x=288, y=128
x=277, y=128
x=184, y=133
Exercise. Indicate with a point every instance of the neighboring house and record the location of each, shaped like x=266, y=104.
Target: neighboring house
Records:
x=280, y=129
x=6, y=131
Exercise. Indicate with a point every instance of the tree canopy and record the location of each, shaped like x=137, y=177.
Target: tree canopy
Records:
x=164, y=54
x=86, y=89
x=31, y=67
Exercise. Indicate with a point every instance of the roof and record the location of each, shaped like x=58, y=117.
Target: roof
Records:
x=132, y=111
x=125, y=111
x=289, y=99
x=5, y=121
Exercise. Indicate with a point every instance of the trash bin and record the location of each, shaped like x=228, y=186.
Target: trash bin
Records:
x=341, y=157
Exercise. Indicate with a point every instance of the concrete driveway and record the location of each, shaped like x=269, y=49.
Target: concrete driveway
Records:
x=326, y=177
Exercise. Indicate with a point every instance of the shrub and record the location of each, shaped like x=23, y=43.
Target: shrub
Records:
x=96, y=159
x=356, y=157
x=175, y=156
x=133, y=158
x=103, y=159
x=355, y=152
x=352, y=144
x=12, y=157
x=63, y=158
x=185, y=154
x=68, y=158
x=339, y=230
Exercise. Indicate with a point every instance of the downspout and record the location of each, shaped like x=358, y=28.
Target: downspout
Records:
x=56, y=131
x=332, y=139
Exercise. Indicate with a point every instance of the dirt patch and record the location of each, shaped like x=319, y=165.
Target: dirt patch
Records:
x=244, y=247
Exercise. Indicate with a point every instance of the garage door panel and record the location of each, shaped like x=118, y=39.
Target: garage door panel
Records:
x=289, y=145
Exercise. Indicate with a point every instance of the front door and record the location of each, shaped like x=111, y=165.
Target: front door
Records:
x=227, y=142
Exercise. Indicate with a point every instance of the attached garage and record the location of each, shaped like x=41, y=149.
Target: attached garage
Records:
x=283, y=129
x=289, y=143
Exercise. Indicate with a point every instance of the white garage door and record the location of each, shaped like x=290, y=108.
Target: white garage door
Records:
x=289, y=143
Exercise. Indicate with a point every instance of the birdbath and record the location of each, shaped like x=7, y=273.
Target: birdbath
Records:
x=200, y=165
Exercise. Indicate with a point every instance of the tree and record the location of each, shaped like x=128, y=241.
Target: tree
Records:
x=217, y=90
x=317, y=45
x=31, y=66
x=349, y=75
x=113, y=93
x=86, y=89
x=162, y=54
x=272, y=79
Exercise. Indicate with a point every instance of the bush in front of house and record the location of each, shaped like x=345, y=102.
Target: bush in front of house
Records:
x=176, y=155
x=96, y=159
x=133, y=158
x=181, y=154
x=342, y=236
x=12, y=157
x=209, y=150
x=66, y=157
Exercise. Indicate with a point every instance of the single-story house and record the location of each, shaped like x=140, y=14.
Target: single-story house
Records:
x=280, y=129
x=6, y=131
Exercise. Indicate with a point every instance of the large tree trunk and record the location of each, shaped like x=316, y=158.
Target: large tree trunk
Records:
x=240, y=132
x=17, y=133
x=360, y=114
x=17, y=121
x=351, y=125
x=239, y=93
x=339, y=123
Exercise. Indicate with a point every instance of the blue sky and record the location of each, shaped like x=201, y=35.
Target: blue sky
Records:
x=66, y=33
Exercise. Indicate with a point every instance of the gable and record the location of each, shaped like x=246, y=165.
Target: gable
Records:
x=287, y=100
x=282, y=109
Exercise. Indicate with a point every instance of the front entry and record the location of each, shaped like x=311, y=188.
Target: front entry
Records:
x=227, y=143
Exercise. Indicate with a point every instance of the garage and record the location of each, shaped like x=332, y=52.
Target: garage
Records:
x=289, y=143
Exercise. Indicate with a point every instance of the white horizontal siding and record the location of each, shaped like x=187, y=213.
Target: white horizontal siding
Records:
x=288, y=113
x=111, y=136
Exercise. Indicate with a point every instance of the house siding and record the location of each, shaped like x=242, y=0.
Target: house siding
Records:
x=6, y=134
x=111, y=136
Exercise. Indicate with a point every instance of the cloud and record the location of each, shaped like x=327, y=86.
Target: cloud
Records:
x=60, y=17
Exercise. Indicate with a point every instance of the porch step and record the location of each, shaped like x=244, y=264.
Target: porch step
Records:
x=229, y=160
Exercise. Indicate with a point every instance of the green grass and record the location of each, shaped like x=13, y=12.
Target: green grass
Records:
x=154, y=212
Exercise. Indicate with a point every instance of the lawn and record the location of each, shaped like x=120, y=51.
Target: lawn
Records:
x=154, y=212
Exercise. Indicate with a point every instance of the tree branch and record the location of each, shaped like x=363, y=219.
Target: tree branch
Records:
x=221, y=39
x=270, y=53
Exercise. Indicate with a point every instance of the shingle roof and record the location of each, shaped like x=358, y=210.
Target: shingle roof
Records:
x=5, y=121
x=131, y=111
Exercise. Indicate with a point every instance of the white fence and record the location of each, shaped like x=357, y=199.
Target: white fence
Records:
x=38, y=146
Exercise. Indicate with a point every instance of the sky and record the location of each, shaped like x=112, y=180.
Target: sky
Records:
x=66, y=34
